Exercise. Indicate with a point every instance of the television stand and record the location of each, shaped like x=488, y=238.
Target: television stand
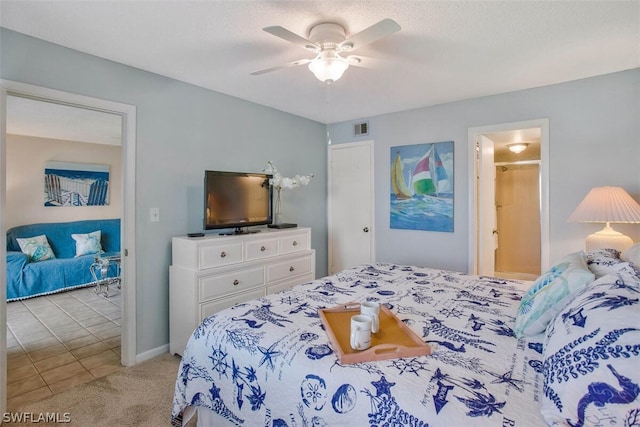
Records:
x=215, y=272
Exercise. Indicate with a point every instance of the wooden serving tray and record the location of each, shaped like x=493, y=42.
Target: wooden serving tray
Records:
x=393, y=340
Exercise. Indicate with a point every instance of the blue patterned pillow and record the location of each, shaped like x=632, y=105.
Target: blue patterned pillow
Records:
x=88, y=243
x=592, y=358
x=600, y=261
x=36, y=248
x=610, y=261
x=550, y=293
x=627, y=271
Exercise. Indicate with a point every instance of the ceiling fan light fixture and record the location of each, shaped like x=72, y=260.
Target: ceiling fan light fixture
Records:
x=328, y=66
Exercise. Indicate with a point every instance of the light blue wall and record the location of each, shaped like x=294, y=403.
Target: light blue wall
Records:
x=181, y=131
x=594, y=131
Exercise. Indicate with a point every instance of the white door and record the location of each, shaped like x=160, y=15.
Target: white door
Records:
x=350, y=204
x=487, y=221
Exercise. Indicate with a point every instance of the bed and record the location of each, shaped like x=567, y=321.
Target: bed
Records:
x=270, y=362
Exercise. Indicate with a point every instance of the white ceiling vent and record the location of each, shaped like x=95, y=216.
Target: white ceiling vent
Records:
x=360, y=129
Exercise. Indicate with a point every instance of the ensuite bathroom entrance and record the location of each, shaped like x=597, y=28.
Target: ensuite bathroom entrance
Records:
x=509, y=207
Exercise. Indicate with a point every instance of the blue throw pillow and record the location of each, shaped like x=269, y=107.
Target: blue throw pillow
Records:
x=36, y=248
x=591, y=358
x=550, y=293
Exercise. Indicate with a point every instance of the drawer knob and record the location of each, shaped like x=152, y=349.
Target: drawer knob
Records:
x=291, y=268
x=223, y=254
x=262, y=249
x=236, y=282
x=295, y=243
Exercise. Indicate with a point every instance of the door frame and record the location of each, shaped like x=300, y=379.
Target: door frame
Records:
x=473, y=133
x=369, y=144
x=127, y=228
x=486, y=196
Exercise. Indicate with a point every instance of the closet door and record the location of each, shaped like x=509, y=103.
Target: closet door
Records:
x=351, y=210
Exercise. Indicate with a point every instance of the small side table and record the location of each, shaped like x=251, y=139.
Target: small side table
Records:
x=100, y=270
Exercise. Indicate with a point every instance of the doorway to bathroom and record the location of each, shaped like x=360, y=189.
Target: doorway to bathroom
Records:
x=509, y=215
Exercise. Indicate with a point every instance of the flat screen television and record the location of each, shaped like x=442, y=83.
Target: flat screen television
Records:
x=236, y=200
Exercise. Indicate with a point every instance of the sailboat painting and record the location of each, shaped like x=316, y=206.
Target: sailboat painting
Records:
x=422, y=187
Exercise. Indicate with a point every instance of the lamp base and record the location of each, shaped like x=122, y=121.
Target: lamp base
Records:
x=608, y=238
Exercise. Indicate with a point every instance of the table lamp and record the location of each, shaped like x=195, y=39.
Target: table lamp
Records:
x=608, y=205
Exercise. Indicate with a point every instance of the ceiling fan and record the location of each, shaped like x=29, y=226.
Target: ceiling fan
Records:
x=328, y=40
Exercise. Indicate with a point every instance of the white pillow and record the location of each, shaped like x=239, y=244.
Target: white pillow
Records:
x=36, y=248
x=632, y=254
x=591, y=358
x=88, y=243
x=550, y=293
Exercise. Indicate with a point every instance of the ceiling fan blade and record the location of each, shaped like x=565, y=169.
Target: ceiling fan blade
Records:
x=279, y=67
x=384, y=28
x=287, y=35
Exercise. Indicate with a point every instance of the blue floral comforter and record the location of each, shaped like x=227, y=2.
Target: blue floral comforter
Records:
x=269, y=362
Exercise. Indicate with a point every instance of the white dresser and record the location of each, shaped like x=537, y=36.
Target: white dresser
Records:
x=214, y=272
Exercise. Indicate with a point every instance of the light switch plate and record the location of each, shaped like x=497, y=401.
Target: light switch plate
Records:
x=154, y=214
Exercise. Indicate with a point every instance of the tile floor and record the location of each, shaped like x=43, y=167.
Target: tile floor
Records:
x=58, y=341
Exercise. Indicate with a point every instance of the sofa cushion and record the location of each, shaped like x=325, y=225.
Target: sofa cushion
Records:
x=36, y=248
x=87, y=244
x=59, y=235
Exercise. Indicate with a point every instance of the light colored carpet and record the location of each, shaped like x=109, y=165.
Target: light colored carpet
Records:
x=137, y=396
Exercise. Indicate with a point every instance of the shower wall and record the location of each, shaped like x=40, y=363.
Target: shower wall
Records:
x=518, y=218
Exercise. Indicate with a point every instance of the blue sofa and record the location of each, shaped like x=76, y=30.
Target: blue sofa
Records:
x=27, y=279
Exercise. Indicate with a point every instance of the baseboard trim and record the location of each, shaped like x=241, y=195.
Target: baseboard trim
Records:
x=150, y=354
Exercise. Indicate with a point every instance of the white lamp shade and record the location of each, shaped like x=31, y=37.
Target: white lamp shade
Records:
x=607, y=204
x=328, y=66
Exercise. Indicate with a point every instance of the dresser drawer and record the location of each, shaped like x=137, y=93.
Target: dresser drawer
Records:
x=293, y=267
x=294, y=243
x=288, y=284
x=219, y=255
x=212, y=307
x=261, y=249
x=222, y=284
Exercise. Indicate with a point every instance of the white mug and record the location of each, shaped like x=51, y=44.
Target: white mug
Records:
x=360, y=332
x=372, y=310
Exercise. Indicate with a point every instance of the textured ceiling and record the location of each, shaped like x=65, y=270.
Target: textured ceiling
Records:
x=30, y=117
x=445, y=51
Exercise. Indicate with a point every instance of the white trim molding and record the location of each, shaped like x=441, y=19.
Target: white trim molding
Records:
x=543, y=124
x=128, y=115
